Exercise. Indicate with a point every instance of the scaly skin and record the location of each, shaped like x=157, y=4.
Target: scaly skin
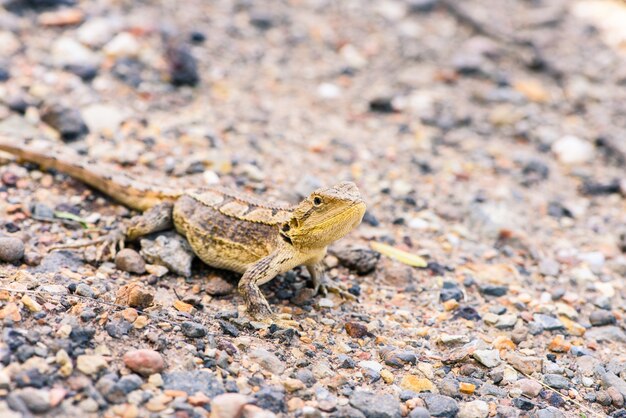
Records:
x=225, y=229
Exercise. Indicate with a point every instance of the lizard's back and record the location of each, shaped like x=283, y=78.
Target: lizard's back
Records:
x=228, y=229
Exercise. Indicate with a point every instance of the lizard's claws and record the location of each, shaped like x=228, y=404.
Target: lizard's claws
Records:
x=280, y=320
x=112, y=241
x=326, y=286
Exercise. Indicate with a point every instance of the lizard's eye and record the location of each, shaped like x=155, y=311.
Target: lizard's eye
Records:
x=317, y=201
x=286, y=228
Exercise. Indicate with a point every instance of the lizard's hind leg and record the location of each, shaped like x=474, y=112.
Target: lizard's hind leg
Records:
x=156, y=219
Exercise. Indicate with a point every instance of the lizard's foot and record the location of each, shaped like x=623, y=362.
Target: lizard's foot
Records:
x=326, y=286
x=110, y=242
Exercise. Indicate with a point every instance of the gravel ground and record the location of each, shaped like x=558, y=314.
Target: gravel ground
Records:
x=486, y=137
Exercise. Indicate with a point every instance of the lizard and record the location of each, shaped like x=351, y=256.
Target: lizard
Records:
x=225, y=228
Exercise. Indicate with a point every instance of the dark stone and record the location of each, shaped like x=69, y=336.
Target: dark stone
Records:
x=82, y=335
x=31, y=378
x=601, y=317
x=468, y=313
x=228, y=328
x=118, y=328
x=359, y=258
x=68, y=122
x=4, y=74
x=85, y=71
x=557, y=381
x=197, y=37
x=346, y=362
x=535, y=171
x=557, y=210
x=24, y=352
x=271, y=398
x=381, y=105
x=422, y=6
x=193, y=329
x=347, y=412
x=591, y=188
x=261, y=20
x=183, y=68
x=306, y=376
x=451, y=293
x=523, y=403
x=493, y=290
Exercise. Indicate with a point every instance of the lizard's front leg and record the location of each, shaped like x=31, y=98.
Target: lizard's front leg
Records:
x=257, y=274
x=156, y=219
x=322, y=285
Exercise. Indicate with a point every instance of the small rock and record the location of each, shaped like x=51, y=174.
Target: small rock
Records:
x=523, y=404
x=601, y=317
x=91, y=364
x=440, y=406
x=217, y=286
x=419, y=412
x=573, y=150
x=550, y=412
x=493, y=290
x=271, y=398
x=529, y=387
x=606, y=333
x=375, y=406
x=474, y=409
x=129, y=260
x=96, y=31
x=183, y=68
x=193, y=329
x=361, y=259
x=194, y=381
x=11, y=249
x=134, y=295
x=488, y=358
x=228, y=405
x=102, y=118
x=169, y=250
x=417, y=384
x=31, y=304
x=123, y=45
x=68, y=122
x=268, y=361
x=83, y=289
x=67, y=51
x=556, y=381
x=356, y=330
x=144, y=361
x=548, y=322
x=549, y=267
x=36, y=400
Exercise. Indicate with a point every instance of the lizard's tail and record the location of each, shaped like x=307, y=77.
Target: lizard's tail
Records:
x=131, y=193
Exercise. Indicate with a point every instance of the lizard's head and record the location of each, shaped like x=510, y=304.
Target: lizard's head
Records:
x=325, y=216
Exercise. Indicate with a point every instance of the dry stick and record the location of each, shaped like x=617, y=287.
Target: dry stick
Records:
x=567, y=397
x=88, y=299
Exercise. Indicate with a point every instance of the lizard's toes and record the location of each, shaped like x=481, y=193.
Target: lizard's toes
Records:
x=325, y=288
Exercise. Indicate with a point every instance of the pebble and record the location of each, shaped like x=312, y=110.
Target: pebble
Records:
x=356, y=330
x=268, y=361
x=123, y=45
x=67, y=51
x=474, y=409
x=419, y=412
x=96, y=31
x=556, y=381
x=228, y=405
x=217, y=286
x=573, y=150
x=440, y=405
x=102, y=118
x=417, y=384
x=375, y=406
x=606, y=333
x=359, y=258
x=271, y=398
x=169, y=250
x=193, y=329
x=529, y=387
x=130, y=261
x=91, y=364
x=549, y=267
x=36, y=400
x=183, y=68
x=550, y=412
x=193, y=381
x=488, y=358
x=601, y=317
x=134, y=295
x=493, y=290
x=548, y=322
x=83, y=289
x=11, y=249
x=144, y=361
x=67, y=121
